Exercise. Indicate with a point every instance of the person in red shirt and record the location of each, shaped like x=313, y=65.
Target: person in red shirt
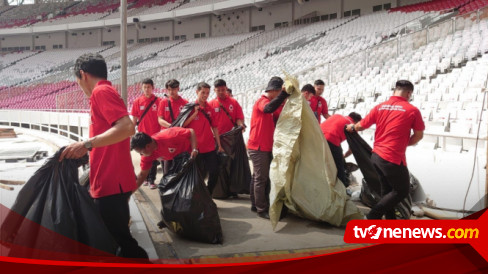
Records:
x=147, y=120
x=165, y=144
x=203, y=122
x=260, y=143
x=318, y=103
x=394, y=121
x=227, y=111
x=308, y=92
x=169, y=109
x=333, y=130
x=111, y=181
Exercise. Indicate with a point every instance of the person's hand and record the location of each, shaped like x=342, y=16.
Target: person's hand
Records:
x=350, y=128
x=221, y=149
x=194, y=154
x=73, y=151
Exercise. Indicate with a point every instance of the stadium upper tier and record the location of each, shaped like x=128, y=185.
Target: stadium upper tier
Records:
x=44, y=14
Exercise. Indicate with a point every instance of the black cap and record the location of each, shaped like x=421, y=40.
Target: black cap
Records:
x=276, y=83
x=308, y=88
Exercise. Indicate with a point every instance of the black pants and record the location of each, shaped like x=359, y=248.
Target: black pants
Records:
x=114, y=210
x=166, y=166
x=338, y=156
x=153, y=172
x=208, y=164
x=395, y=185
x=260, y=183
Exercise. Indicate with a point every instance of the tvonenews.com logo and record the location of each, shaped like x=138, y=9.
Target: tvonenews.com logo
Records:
x=376, y=232
x=467, y=231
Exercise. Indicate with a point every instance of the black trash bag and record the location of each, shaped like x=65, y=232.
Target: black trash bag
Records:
x=54, y=213
x=184, y=113
x=371, y=188
x=221, y=189
x=240, y=173
x=187, y=208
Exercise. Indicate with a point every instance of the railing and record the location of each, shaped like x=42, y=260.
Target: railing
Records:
x=31, y=120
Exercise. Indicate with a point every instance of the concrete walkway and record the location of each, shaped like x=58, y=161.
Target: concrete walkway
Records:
x=245, y=234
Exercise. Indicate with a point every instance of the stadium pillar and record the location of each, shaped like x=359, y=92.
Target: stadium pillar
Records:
x=123, y=50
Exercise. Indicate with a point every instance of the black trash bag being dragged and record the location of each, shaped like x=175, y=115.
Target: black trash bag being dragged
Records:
x=371, y=188
x=187, y=208
x=221, y=189
x=240, y=173
x=54, y=213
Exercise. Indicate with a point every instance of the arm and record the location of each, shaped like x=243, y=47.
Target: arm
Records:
x=326, y=116
x=217, y=138
x=188, y=121
x=194, y=146
x=348, y=153
x=354, y=127
x=276, y=102
x=122, y=129
x=163, y=122
x=141, y=177
x=416, y=137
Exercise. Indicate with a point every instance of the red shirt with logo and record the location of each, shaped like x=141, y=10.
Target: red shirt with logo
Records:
x=176, y=105
x=149, y=123
x=333, y=128
x=203, y=128
x=262, y=126
x=171, y=142
x=111, y=170
x=224, y=124
x=394, y=121
x=318, y=106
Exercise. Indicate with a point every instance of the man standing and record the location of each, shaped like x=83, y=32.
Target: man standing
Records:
x=394, y=121
x=202, y=121
x=165, y=144
x=145, y=116
x=227, y=111
x=308, y=92
x=169, y=109
x=318, y=103
x=260, y=143
x=111, y=181
x=333, y=130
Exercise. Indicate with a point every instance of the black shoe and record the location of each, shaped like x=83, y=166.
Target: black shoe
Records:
x=263, y=215
x=161, y=225
x=254, y=209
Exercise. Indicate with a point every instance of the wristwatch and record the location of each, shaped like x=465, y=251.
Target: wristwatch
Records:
x=88, y=145
x=195, y=150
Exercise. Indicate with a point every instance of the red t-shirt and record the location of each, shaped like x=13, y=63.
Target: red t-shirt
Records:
x=203, y=129
x=333, y=128
x=262, y=126
x=171, y=142
x=318, y=106
x=394, y=121
x=149, y=123
x=224, y=124
x=111, y=170
x=176, y=105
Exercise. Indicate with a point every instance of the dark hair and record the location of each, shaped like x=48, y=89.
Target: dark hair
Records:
x=356, y=117
x=148, y=81
x=173, y=83
x=229, y=90
x=202, y=85
x=140, y=140
x=404, y=85
x=220, y=83
x=319, y=83
x=308, y=88
x=92, y=63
